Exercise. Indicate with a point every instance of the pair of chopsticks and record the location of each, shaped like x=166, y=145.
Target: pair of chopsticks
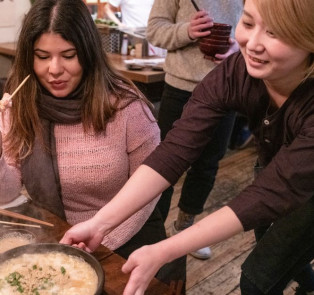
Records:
x=19, y=224
x=195, y=5
x=20, y=86
x=15, y=91
x=176, y=288
x=23, y=217
x=14, y=214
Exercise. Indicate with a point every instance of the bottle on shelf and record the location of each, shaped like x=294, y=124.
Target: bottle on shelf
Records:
x=124, y=46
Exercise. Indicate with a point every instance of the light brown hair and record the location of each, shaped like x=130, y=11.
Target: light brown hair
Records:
x=291, y=21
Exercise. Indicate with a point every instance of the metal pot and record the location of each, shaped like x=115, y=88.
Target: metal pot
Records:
x=49, y=247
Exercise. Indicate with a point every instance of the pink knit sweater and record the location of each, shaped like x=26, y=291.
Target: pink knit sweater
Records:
x=94, y=168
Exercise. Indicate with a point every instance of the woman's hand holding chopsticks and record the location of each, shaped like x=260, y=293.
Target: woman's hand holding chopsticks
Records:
x=5, y=102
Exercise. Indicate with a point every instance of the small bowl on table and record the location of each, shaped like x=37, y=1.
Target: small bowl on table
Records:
x=15, y=237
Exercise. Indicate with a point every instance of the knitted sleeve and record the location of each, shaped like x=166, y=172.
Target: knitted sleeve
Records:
x=163, y=30
x=10, y=175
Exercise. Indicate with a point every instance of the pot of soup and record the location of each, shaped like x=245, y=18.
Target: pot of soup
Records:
x=50, y=268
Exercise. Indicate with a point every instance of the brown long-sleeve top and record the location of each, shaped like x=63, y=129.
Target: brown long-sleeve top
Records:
x=285, y=140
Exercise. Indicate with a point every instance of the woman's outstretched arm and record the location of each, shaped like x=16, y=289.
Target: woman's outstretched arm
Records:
x=146, y=261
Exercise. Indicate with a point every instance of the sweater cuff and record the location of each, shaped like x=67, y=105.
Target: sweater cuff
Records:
x=184, y=35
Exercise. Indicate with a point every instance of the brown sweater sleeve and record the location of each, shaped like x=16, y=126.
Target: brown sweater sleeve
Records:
x=209, y=103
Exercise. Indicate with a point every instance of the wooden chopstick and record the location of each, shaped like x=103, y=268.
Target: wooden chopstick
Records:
x=2, y=107
x=195, y=5
x=176, y=288
x=23, y=217
x=20, y=86
x=21, y=224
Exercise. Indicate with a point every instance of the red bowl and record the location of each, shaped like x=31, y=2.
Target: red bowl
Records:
x=212, y=50
x=220, y=26
x=215, y=37
x=219, y=32
x=214, y=42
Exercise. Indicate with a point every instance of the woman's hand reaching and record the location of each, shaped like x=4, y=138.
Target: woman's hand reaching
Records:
x=86, y=235
x=143, y=264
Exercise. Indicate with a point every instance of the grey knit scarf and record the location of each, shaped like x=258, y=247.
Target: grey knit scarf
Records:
x=40, y=173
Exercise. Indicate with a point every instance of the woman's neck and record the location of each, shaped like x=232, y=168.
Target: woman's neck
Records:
x=279, y=92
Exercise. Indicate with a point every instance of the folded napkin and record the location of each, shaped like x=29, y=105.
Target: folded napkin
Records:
x=145, y=62
x=22, y=199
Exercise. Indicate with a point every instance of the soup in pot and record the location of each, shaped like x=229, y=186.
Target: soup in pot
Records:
x=53, y=273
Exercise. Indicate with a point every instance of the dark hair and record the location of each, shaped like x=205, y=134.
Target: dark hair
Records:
x=72, y=20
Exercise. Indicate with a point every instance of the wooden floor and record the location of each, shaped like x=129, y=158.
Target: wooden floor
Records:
x=220, y=275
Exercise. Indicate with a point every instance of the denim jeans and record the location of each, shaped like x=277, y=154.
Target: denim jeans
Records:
x=201, y=175
x=282, y=254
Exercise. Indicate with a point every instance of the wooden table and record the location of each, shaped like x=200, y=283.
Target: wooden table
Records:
x=143, y=76
x=115, y=279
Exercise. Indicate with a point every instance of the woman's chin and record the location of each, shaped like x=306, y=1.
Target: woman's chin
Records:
x=59, y=93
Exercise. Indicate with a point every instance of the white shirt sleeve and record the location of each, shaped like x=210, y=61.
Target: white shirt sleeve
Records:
x=115, y=3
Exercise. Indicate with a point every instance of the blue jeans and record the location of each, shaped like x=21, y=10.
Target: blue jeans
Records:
x=282, y=254
x=201, y=175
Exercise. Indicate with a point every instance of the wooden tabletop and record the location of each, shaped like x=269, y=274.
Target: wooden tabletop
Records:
x=144, y=76
x=115, y=279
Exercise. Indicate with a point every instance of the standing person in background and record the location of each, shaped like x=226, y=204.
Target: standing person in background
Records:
x=134, y=13
x=83, y=129
x=176, y=26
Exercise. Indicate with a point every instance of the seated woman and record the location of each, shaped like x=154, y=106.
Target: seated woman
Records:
x=77, y=129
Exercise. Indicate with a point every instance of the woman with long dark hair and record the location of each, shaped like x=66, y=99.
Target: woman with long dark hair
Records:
x=76, y=130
